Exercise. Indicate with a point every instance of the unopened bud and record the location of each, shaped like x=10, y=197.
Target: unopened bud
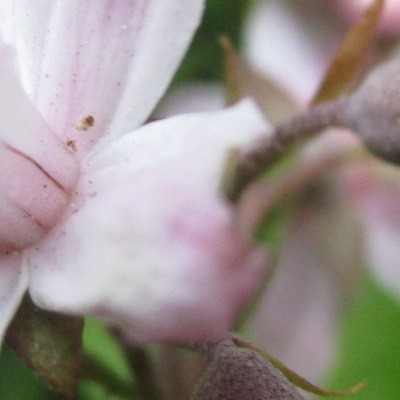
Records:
x=373, y=111
x=236, y=373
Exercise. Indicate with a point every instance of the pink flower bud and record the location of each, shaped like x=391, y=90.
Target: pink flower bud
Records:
x=374, y=111
x=236, y=373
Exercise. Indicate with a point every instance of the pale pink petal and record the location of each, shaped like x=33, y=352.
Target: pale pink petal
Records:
x=13, y=283
x=296, y=321
x=375, y=197
x=182, y=137
x=149, y=244
x=23, y=128
x=291, y=43
x=24, y=24
x=38, y=171
x=100, y=66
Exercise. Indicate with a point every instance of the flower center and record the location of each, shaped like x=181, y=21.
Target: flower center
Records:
x=34, y=190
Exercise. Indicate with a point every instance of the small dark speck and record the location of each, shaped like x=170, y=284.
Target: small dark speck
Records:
x=85, y=123
x=71, y=144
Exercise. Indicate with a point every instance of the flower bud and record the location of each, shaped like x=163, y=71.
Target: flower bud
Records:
x=373, y=111
x=236, y=373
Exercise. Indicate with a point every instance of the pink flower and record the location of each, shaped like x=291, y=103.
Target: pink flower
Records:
x=370, y=187
x=99, y=216
x=292, y=44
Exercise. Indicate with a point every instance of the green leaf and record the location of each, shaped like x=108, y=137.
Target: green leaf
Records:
x=101, y=345
x=106, y=374
x=370, y=342
x=50, y=344
x=18, y=381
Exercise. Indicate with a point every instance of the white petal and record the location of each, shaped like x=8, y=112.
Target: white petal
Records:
x=291, y=43
x=150, y=245
x=115, y=65
x=24, y=24
x=187, y=136
x=13, y=283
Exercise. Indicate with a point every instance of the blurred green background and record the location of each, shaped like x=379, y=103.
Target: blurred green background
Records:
x=370, y=327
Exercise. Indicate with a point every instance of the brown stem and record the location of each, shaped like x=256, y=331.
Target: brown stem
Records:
x=248, y=164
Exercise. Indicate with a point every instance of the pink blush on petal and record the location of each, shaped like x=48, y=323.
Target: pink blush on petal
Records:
x=31, y=200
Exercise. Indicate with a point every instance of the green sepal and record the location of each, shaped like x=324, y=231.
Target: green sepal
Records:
x=50, y=344
x=296, y=379
x=351, y=52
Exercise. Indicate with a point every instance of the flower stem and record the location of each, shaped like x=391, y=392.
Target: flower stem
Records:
x=246, y=165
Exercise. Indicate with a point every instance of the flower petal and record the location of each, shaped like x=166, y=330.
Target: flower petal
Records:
x=150, y=246
x=375, y=197
x=13, y=283
x=112, y=70
x=22, y=127
x=24, y=24
x=38, y=171
x=296, y=320
x=283, y=41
